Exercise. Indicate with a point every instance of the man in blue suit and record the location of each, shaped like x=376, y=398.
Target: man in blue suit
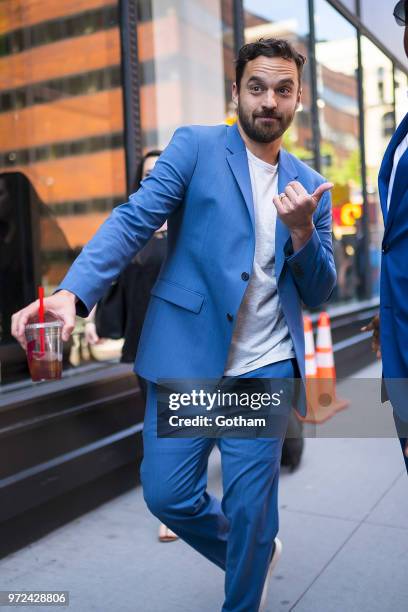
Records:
x=249, y=240
x=391, y=327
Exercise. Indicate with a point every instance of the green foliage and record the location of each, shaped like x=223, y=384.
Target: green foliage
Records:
x=341, y=171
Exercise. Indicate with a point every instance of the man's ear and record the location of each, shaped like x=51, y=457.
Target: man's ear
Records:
x=235, y=95
x=299, y=97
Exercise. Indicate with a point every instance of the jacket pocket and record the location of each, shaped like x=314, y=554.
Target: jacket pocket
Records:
x=178, y=295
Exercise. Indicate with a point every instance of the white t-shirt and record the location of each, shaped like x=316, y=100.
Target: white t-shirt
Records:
x=261, y=335
x=399, y=152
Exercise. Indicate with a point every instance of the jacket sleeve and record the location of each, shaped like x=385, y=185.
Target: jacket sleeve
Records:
x=312, y=267
x=130, y=225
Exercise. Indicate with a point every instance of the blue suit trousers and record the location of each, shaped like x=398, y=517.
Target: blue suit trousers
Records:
x=237, y=532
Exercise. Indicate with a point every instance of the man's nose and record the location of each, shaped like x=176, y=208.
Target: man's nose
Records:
x=269, y=99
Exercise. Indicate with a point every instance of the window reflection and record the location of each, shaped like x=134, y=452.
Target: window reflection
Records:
x=61, y=151
x=62, y=119
x=33, y=248
x=186, y=65
x=26, y=37
x=379, y=125
x=401, y=95
x=350, y=4
x=337, y=63
x=287, y=20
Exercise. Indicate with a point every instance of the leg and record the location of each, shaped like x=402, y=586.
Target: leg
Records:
x=402, y=430
x=250, y=470
x=174, y=479
x=250, y=480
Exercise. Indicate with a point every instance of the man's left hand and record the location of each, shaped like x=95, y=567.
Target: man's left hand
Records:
x=295, y=208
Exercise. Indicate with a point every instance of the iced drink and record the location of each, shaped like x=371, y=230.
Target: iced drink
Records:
x=44, y=350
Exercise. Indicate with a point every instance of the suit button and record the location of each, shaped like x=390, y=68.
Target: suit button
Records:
x=245, y=276
x=230, y=317
x=386, y=248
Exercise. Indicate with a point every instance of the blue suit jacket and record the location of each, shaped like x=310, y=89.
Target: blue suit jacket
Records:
x=394, y=275
x=201, y=185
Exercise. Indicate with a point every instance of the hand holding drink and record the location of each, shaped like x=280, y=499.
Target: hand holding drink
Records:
x=42, y=339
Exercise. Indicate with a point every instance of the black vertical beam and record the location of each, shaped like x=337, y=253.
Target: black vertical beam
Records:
x=365, y=218
x=313, y=86
x=239, y=25
x=358, y=8
x=131, y=87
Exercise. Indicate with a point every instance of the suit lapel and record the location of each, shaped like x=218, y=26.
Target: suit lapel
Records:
x=399, y=189
x=238, y=162
x=386, y=167
x=286, y=172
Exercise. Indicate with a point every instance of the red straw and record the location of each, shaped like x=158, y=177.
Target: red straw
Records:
x=41, y=316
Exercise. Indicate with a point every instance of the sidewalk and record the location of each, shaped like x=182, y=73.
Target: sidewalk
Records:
x=344, y=527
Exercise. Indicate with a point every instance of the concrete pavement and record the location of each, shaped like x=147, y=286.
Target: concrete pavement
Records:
x=343, y=523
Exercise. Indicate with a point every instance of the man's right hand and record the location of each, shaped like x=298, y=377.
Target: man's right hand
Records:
x=61, y=306
x=374, y=326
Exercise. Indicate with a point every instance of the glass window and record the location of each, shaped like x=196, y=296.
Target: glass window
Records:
x=337, y=63
x=350, y=4
x=186, y=61
x=55, y=152
x=287, y=20
x=379, y=125
x=401, y=95
x=378, y=18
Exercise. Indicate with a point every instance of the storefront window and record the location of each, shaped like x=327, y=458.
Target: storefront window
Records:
x=186, y=65
x=401, y=95
x=337, y=63
x=62, y=164
x=350, y=4
x=379, y=126
x=378, y=18
x=287, y=20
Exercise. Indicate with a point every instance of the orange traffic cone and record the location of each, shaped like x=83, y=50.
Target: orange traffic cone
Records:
x=329, y=403
x=310, y=356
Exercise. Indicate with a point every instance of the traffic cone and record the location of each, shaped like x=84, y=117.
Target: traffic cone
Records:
x=312, y=391
x=310, y=356
x=329, y=403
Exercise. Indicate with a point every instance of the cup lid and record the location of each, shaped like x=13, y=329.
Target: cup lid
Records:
x=45, y=325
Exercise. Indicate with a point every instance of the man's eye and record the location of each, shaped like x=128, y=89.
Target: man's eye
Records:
x=255, y=88
x=285, y=91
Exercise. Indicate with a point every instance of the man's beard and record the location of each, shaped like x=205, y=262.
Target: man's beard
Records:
x=263, y=132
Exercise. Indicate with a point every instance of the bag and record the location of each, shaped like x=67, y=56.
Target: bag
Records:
x=293, y=444
x=110, y=316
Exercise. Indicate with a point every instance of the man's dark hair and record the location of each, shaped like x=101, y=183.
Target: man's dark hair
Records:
x=268, y=47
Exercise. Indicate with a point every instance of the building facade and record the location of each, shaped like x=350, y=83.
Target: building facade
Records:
x=88, y=86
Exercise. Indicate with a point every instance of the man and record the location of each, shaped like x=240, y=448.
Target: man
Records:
x=390, y=337
x=249, y=239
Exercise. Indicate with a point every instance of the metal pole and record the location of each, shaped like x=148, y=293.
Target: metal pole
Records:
x=365, y=218
x=239, y=25
x=131, y=86
x=313, y=86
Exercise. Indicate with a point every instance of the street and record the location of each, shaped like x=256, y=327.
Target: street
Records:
x=344, y=528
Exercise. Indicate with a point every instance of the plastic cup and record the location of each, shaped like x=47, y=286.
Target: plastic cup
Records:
x=44, y=364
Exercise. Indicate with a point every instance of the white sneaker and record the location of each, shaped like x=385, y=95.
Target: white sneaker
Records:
x=275, y=558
